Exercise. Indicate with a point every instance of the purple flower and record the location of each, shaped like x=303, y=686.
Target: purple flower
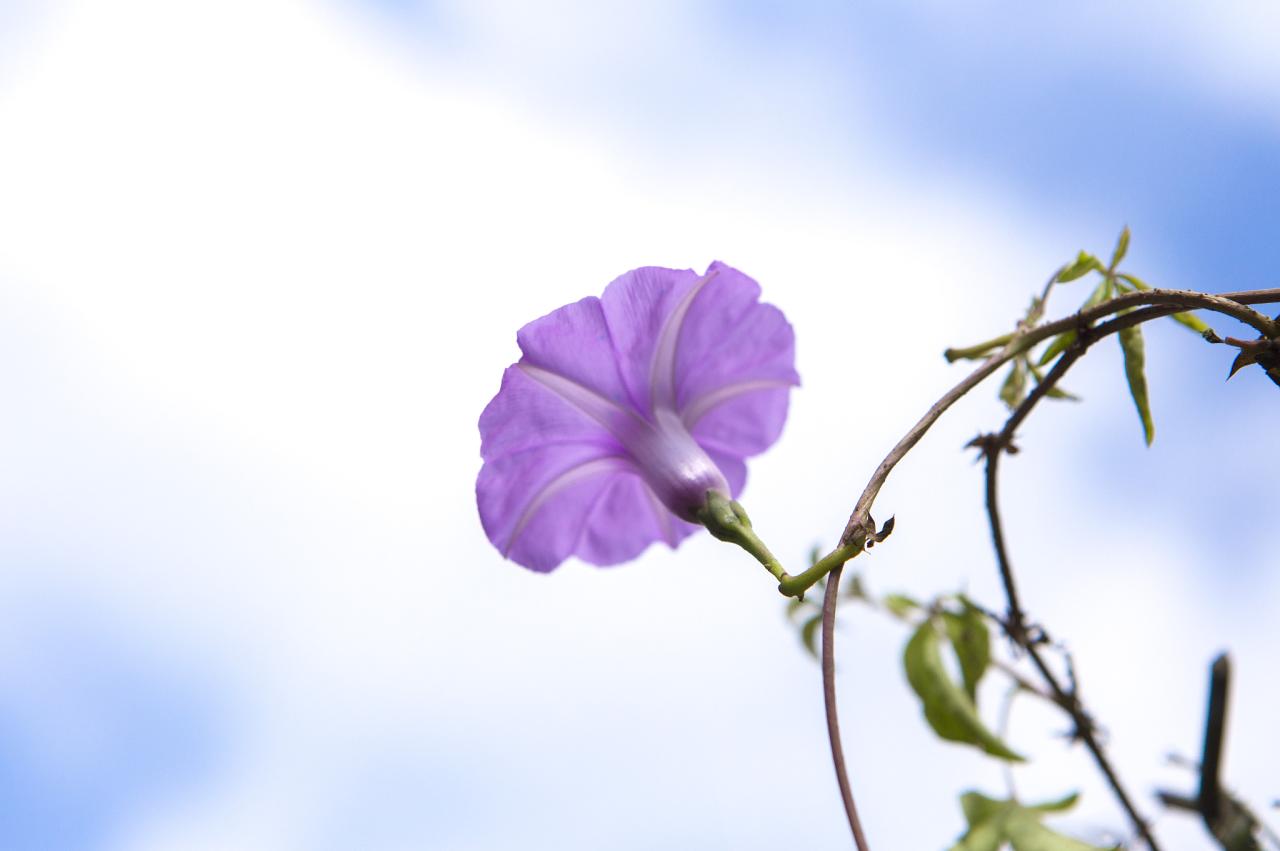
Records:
x=624, y=412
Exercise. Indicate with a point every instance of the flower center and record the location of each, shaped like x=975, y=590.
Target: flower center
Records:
x=672, y=463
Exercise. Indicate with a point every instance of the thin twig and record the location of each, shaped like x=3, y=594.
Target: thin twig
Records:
x=1068, y=700
x=1016, y=624
x=829, y=701
x=860, y=527
x=1163, y=303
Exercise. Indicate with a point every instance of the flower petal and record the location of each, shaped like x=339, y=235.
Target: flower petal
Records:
x=534, y=504
x=625, y=521
x=556, y=482
x=729, y=338
x=574, y=342
x=526, y=414
x=637, y=307
x=741, y=424
x=628, y=408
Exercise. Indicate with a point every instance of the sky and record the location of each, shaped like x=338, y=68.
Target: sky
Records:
x=262, y=267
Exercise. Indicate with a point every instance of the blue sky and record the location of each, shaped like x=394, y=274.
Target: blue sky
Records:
x=264, y=266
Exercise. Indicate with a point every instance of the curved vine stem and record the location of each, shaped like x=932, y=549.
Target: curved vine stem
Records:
x=1162, y=303
x=993, y=447
x=829, y=702
x=1142, y=306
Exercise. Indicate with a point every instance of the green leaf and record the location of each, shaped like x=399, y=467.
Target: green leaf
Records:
x=1014, y=389
x=855, y=587
x=900, y=605
x=1056, y=347
x=992, y=823
x=978, y=808
x=1134, y=370
x=1026, y=833
x=1083, y=265
x=1191, y=321
x=1122, y=248
x=1133, y=279
x=1066, y=338
x=988, y=836
x=947, y=707
x=972, y=642
x=809, y=633
x=1055, y=392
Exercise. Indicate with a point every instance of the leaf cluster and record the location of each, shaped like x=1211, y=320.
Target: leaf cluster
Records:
x=1028, y=366
x=954, y=626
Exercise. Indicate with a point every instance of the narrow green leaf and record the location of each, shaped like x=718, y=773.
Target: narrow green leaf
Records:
x=1134, y=370
x=972, y=642
x=1066, y=338
x=900, y=605
x=1014, y=389
x=1056, y=347
x=1083, y=265
x=809, y=633
x=1191, y=321
x=947, y=706
x=1133, y=279
x=1055, y=392
x=1122, y=248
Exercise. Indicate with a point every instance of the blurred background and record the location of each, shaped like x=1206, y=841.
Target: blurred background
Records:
x=261, y=267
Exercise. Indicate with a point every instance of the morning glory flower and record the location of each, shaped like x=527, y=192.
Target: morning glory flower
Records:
x=628, y=414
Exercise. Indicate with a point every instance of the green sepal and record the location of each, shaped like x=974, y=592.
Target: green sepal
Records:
x=727, y=521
